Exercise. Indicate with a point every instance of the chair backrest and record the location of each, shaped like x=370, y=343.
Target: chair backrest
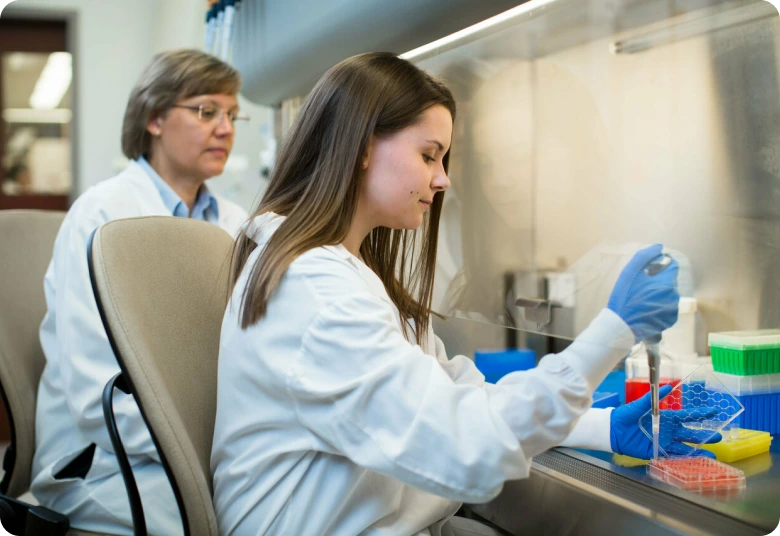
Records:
x=162, y=286
x=26, y=244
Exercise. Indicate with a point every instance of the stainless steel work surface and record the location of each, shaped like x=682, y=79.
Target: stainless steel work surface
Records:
x=758, y=504
x=574, y=493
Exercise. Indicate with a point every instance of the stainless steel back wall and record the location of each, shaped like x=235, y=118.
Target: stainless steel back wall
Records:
x=589, y=128
x=282, y=47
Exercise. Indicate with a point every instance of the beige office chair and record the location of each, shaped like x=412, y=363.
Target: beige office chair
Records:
x=161, y=285
x=26, y=241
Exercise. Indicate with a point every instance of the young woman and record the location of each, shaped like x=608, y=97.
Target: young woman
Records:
x=178, y=132
x=338, y=409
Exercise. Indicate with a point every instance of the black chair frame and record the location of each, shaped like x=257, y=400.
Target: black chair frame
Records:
x=20, y=518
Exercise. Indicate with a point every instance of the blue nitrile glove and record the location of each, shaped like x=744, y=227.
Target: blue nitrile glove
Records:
x=627, y=438
x=648, y=304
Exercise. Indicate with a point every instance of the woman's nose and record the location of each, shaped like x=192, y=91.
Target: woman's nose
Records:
x=224, y=126
x=441, y=181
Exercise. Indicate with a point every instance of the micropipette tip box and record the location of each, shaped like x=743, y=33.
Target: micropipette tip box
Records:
x=760, y=395
x=746, y=352
x=603, y=399
x=738, y=444
x=495, y=364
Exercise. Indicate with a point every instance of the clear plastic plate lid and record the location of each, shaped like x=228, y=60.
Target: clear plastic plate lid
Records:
x=746, y=340
x=698, y=402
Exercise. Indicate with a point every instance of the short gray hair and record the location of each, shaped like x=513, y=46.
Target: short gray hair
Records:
x=170, y=77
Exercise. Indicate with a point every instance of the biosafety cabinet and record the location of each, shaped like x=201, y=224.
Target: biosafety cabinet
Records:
x=586, y=129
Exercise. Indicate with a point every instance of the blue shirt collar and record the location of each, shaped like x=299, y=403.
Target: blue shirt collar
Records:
x=205, y=208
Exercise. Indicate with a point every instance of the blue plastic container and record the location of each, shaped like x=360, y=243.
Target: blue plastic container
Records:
x=495, y=364
x=762, y=412
x=603, y=399
x=615, y=382
x=760, y=395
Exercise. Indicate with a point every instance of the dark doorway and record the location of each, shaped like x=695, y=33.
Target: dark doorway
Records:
x=36, y=107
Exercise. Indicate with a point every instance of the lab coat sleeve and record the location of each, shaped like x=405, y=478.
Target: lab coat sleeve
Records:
x=460, y=368
x=368, y=394
x=86, y=359
x=592, y=430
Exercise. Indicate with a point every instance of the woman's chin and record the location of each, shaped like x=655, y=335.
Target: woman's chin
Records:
x=213, y=171
x=409, y=225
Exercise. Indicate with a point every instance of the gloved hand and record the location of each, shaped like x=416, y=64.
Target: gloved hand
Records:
x=627, y=438
x=648, y=304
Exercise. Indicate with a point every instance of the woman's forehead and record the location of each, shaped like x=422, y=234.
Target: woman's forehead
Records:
x=220, y=98
x=434, y=123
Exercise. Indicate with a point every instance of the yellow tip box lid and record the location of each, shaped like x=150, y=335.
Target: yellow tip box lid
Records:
x=739, y=444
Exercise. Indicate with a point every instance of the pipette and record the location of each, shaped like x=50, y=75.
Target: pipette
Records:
x=657, y=266
x=654, y=364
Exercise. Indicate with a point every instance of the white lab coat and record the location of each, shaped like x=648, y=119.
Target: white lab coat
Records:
x=79, y=362
x=330, y=422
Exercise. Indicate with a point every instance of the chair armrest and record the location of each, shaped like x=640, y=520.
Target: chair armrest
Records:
x=22, y=519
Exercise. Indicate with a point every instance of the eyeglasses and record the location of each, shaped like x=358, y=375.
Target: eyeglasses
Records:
x=208, y=113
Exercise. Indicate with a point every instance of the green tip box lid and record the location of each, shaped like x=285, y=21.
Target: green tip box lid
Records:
x=746, y=352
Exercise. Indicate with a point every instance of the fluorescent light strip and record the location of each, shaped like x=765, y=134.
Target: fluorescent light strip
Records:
x=31, y=115
x=473, y=31
x=53, y=82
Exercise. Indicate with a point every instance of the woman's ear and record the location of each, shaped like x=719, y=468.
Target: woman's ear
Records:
x=154, y=125
x=367, y=154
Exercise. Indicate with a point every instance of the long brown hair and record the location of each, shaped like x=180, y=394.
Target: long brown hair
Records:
x=317, y=178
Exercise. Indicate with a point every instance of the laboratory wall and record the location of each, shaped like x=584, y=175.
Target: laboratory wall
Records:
x=112, y=41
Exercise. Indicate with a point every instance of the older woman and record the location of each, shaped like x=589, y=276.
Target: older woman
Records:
x=178, y=132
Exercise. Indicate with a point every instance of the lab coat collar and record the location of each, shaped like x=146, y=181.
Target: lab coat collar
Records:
x=262, y=227
x=204, y=201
